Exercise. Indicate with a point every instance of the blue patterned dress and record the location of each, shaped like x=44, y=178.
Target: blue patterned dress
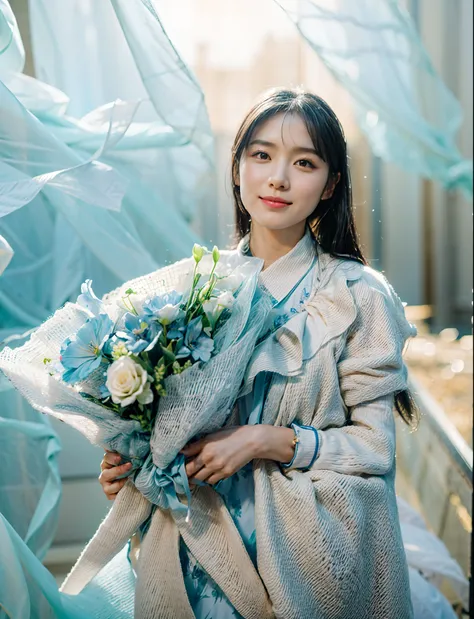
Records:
x=206, y=598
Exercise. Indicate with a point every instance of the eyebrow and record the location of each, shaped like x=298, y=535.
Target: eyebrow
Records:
x=296, y=149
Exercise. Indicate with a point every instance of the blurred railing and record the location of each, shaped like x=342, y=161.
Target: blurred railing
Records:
x=435, y=464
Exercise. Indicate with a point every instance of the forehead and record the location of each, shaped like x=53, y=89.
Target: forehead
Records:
x=286, y=130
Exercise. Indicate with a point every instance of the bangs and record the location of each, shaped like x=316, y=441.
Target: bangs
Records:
x=315, y=119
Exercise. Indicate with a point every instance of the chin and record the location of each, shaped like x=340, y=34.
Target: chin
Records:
x=276, y=221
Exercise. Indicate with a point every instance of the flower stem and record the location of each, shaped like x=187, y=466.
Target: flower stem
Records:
x=191, y=294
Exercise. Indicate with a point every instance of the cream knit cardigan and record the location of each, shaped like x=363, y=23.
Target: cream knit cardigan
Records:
x=329, y=544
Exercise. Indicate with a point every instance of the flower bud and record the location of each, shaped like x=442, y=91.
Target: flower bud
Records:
x=215, y=254
x=198, y=252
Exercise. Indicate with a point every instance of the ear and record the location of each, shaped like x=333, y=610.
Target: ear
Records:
x=331, y=186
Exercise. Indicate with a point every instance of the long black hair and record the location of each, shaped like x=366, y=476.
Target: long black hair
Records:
x=332, y=221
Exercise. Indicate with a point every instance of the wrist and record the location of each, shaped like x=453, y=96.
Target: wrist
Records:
x=273, y=443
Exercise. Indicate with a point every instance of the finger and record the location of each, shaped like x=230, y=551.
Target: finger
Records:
x=193, y=466
x=112, y=458
x=201, y=475
x=213, y=479
x=106, y=465
x=114, y=487
x=193, y=448
x=109, y=475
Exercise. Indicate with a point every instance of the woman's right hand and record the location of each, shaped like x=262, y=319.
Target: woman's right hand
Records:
x=111, y=469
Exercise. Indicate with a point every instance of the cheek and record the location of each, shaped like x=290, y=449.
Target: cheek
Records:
x=252, y=179
x=307, y=191
x=250, y=176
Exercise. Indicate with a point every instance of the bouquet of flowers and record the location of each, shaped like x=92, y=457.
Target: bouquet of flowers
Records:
x=152, y=365
x=122, y=363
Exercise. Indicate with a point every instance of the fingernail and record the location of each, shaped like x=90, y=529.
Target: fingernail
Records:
x=128, y=465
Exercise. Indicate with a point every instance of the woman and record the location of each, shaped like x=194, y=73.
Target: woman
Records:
x=306, y=465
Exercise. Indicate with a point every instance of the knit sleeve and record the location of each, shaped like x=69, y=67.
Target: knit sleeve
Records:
x=371, y=365
x=366, y=446
x=371, y=371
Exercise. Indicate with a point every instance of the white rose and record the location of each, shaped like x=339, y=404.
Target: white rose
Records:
x=127, y=382
x=168, y=313
x=146, y=397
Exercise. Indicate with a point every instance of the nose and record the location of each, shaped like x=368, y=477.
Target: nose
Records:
x=279, y=179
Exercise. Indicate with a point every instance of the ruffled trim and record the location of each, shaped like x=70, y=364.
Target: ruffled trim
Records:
x=328, y=313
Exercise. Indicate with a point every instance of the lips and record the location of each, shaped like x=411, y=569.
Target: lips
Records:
x=274, y=202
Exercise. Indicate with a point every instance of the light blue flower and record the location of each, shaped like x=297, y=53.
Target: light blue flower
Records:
x=196, y=344
x=141, y=332
x=177, y=329
x=113, y=341
x=81, y=355
x=88, y=299
x=165, y=308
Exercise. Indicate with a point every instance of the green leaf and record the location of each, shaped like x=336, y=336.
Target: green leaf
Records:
x=143, y=363
x=168, y=354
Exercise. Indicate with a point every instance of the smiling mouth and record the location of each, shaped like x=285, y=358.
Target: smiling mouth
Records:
x=274, y=202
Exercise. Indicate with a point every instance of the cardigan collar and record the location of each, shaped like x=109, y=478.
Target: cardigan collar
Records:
x=280, y=277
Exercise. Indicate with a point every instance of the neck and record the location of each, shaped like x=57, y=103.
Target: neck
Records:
x=269, y=245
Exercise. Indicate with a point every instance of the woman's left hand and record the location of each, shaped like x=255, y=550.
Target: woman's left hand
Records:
x=221, y=454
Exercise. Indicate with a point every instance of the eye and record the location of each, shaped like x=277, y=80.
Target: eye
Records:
x=306, y=163
x=261, y=155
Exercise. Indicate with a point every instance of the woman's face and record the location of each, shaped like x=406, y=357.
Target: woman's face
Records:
x=281, y=177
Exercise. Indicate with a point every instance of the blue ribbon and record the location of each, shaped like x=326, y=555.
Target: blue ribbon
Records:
x=162, y=486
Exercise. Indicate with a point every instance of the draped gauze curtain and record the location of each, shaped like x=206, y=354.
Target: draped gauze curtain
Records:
x=147, y=147
x=408, y=114
x=12, y=53
x=30, y=486
x=6, y=253
x=104, y=182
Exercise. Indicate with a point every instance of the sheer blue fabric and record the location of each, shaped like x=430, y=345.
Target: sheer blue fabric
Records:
x=28, y=589
x=12, y=53
x=57, y=169
x=92, y=187
x=6, y=254
x=408, y=114
x=30, y=485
